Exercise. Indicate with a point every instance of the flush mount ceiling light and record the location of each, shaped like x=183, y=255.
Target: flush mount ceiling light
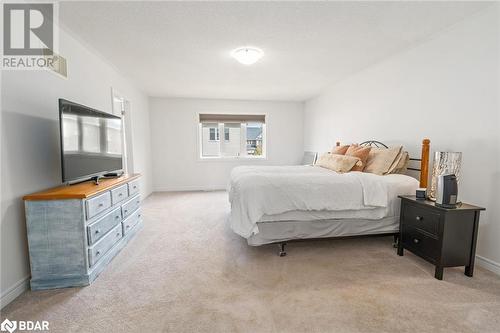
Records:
x=247, y=55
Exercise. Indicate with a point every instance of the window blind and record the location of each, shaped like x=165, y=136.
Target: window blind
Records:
x=228, y=118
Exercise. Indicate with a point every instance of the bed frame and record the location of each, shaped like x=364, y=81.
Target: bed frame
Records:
x=423, y=169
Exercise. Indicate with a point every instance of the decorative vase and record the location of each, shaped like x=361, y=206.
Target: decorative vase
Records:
x=444, y=163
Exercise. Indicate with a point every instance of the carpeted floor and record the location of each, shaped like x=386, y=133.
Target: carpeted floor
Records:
x=187, y=272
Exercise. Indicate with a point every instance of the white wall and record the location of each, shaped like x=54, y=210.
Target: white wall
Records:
x=174, y=137
x=30, y=158
x=445, y=89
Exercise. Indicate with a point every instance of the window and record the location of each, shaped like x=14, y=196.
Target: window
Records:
x=214, y=133
x=244, y=136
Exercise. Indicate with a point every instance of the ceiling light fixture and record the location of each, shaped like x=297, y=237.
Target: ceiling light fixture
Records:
x=247, y=55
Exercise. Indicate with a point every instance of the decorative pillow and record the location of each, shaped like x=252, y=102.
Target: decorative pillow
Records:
x=395, y=163
x=402, y=166
x=359, y=152
x=380, y=160
x=340, y=150
x=338, y=163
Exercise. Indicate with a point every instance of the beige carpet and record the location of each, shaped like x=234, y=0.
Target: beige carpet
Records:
x=187, y=272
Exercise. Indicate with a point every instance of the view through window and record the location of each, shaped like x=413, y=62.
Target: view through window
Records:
x=243, y=136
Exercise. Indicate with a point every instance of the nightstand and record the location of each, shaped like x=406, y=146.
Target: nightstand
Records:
x=444, y=237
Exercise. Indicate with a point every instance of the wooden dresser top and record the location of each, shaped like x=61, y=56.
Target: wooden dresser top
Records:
x=80, y=190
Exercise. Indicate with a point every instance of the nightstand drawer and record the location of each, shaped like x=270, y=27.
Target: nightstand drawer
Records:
x=421, y=219
x=420, y=243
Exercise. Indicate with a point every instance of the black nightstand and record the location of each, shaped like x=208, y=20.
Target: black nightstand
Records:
x=444, y=237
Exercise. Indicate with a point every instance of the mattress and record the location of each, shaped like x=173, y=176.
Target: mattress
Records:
x=259, y=195
x=375, y=213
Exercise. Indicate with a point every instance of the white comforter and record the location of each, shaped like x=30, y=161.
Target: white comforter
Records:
x=258, y=191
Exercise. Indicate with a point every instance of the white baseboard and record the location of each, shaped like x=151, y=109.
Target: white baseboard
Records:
x=15, y=291
x=189, y=188
x=488, y=264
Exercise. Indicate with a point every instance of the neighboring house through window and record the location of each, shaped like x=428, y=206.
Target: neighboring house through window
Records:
x=244, y=136
x=214, y=134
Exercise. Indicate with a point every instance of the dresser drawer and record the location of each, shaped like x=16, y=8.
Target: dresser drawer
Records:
x=105, y=244
x=133, y=187
x=420, y=243
x=131, y=221
x=97, y=204
x=99, y=228
x=118, y=194
x=130, y=206
x=421, y=219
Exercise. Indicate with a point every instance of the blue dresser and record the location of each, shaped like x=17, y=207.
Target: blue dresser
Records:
x=75, y=231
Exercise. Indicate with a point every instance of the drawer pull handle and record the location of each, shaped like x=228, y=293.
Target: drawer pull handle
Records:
x=128, y=226
x=98, y=253
x=120, y=194
x=118, y=234
x=137, y=202
x=117, y=217
x=125, y=211
x=101, y=204
x=135, y=187
x=416, y=240
x=139, y=215
x=419, y=218
x=97, y=231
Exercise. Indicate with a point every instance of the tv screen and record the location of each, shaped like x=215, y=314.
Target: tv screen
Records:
x=91, y=142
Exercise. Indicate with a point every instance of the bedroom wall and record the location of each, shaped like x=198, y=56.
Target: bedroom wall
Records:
x=446, y=89
x=30, y=141
x=174, y=137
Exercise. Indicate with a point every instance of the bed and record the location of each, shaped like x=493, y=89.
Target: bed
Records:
x=278, y=204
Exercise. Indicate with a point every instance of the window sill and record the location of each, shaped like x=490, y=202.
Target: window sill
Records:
x=232, y=159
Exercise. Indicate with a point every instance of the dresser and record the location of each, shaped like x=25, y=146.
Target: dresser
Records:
x=444, y=237
x=75, y=231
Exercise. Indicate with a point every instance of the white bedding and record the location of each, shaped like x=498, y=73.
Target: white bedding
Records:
x=259, y=192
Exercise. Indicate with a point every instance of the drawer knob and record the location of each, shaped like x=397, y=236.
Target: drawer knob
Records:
x=128, y=226
x=98, y=253
x=416, y=240
x=139, y=215
x=118, y=234
x=117, y=217
x=101, y=204
x=419, y=218
x=135, y=187
x=125, y=211
x=137, y=202
x=97, y=231
x=120, y=194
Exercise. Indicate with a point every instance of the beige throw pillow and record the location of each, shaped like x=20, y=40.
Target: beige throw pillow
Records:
x=338, y=163
x=402, y=166
x=399, y=163
x=340, y=150
x=380, y=160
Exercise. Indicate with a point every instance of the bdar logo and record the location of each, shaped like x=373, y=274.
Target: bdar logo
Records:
x=8, y=325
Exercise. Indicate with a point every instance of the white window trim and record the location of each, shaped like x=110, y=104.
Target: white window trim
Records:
x=199, y=153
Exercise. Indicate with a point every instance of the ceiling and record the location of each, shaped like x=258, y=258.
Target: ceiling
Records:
x=182, y=49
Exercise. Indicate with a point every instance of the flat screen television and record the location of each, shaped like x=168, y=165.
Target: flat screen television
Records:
x=91, y=142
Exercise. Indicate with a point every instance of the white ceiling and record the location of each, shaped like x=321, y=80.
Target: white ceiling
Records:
x=182, y=48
